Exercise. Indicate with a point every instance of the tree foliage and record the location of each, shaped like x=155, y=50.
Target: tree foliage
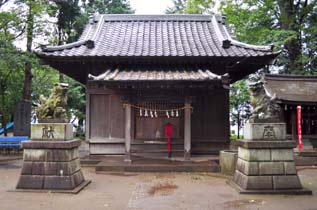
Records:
x=289, y=25
x=109, y=6
x=27, y=24
x=177, y=8
x=240, y=108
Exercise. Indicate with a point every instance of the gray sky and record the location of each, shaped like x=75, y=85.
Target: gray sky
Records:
x=150, y=6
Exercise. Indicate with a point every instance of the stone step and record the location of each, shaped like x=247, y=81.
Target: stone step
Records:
x=157, y=165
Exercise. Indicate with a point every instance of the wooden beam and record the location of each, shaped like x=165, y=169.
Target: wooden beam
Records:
x=187, y=131
x=87, y=126
x=127, y=133
x=294, y=126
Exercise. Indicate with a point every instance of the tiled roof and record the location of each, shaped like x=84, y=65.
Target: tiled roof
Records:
x=292, y=88
x=156, y=75
x=156, y=35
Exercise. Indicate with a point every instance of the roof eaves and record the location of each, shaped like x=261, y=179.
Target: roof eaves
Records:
x=89, y=43
x=227, y=39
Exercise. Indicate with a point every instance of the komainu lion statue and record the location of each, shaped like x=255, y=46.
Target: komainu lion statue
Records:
x=53, y=109
x=265, y=108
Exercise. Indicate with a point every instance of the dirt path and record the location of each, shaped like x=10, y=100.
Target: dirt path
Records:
x=150, y=191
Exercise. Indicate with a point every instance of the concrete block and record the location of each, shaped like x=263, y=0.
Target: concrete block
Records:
x=34, y=155
x=51, y=144
x=59, y=182
x=78, y=178
x=254, y=154
x=26, y=168
x=265, y=131
x=250, y=144
x=38, y=168
x=30, y=182
x=52, y=131
x=271, y=168
x=75, y=165
x=253, y=182
x=62, y=154
x=227, y=161
x=282, y=155
x=247, y=168
x=290, y=168
x=259, y=183
x=240, y=179
x=286, y=182
x=62, y=168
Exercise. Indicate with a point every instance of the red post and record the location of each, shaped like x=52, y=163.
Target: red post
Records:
x=299, y=127
x=168, y=133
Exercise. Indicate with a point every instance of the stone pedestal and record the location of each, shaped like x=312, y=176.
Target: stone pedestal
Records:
x=266, y=165
x=52, y=131
x=51, y=165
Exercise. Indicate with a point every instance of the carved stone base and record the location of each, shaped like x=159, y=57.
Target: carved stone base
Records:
x=50, y=165
x=266, y=165
x=265, y=131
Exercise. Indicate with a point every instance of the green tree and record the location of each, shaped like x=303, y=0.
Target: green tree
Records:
x=199, y=6
x=288, y=24
x=240, y=108
x=177, y=8
x=11, y=64
x=109, y=7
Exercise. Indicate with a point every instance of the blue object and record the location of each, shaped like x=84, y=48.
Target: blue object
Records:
x=9, y=125
x=12, y=141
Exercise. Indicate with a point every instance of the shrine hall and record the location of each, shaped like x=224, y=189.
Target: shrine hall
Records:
x=154, y=79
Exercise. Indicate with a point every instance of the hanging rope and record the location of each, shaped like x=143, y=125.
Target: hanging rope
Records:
x=150, y=111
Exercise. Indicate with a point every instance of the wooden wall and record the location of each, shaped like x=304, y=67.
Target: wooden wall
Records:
x=210, y=117
x=105, y=121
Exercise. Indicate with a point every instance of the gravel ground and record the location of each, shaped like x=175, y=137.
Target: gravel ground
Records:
x=150, y=191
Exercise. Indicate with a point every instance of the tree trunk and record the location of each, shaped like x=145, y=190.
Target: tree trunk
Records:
x=239, y=124
x=27, y=86
x=2, y=112
x=288, y=22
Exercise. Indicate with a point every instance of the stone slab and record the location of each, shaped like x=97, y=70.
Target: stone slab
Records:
x=62, y=155
x=63, y=182
x=282, y=155
x=253, y=182
x=62, y=168
x=271, y=168
x=286, y=182
x=247, y=168
x=249, y=144
x=52, y=131
x=290, y=168
x=22, y=118
x=227, y=161
x=50, y=155
x=34, y=154
x=265, y=131
x=30, y=144
x=76, y=190
x=270, y=192
x=30, y=182
x=254, y=154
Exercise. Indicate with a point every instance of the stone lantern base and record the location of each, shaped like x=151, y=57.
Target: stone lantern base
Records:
x=51, y=165
x=267, y=165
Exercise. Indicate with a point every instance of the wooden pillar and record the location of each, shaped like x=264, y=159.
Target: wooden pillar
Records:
x=187, y=131
x=87, y=121
x=294, y=126
x=127, y=133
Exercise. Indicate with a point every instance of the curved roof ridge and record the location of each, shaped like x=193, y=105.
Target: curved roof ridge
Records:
x=155, y=17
